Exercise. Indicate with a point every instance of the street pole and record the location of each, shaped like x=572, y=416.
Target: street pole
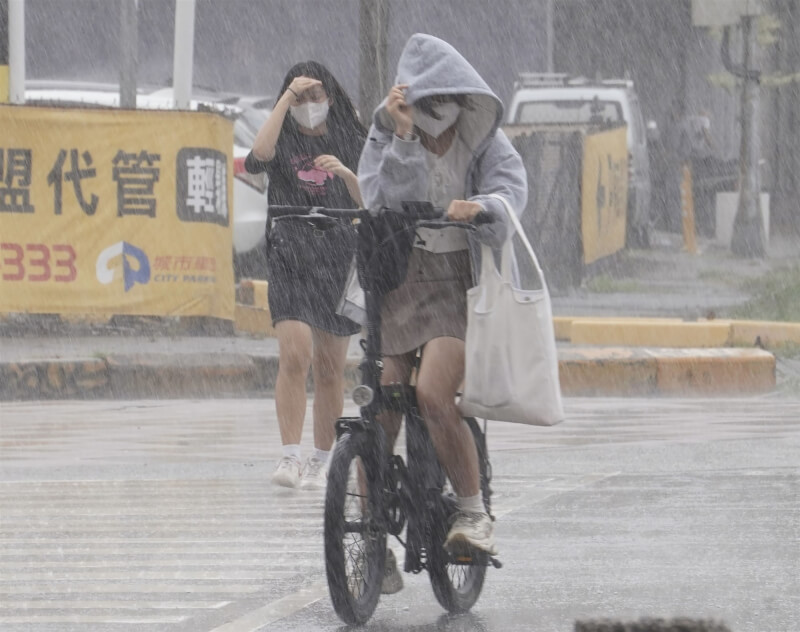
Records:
x=550, y=35
x=372, y=38
x=183, y=56
x=748, y=228
x=129, y=49
x=16, y=51
x=3, y=51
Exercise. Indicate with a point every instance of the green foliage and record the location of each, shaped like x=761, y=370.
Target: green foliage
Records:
x=776, y=296
x=768, y=33
x=768, y=29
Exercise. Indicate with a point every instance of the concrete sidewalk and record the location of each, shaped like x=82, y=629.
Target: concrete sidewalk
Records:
x=673, y=343
x=98, y=367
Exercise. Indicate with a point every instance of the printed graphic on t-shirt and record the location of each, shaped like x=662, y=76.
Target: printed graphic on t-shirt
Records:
x=310, y=178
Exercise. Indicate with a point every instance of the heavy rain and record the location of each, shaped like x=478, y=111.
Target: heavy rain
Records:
x=241, y=241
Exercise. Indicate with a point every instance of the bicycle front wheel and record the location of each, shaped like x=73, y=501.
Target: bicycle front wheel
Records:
x=355, y=533
x=457, y=583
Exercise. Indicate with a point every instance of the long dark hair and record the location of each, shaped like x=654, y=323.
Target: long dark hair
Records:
x=343, y=125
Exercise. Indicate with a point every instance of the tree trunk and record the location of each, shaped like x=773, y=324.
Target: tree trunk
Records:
x=786, y=157
x=372, y=37
x=748, y=230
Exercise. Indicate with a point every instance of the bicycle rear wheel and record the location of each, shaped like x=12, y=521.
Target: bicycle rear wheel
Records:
x=355, y=534
x=457, y=583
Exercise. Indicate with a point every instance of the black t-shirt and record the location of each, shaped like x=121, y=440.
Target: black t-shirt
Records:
x=295, y=181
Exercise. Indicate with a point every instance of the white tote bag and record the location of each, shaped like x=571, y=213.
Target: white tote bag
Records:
x=353, y=303
x=511, y=359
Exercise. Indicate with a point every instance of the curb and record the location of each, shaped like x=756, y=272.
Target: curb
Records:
x=583, y=371
x=665, y=372
x=252, y=316
x=674, y=332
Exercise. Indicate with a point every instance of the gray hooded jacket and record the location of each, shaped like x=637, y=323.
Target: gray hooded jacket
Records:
x=392, y=170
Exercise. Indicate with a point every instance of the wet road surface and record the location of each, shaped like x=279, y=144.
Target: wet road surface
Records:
x=160, y=516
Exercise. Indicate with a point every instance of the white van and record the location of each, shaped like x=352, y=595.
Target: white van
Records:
x=561, y=100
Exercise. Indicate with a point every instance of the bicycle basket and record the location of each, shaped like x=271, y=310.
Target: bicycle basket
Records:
x=385, y=243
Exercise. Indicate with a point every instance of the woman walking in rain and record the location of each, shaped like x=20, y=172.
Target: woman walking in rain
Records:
x=309, y=147
x=435, y=138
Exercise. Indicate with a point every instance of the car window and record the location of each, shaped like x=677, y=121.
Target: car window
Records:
x=247, y=125
x=570, y=112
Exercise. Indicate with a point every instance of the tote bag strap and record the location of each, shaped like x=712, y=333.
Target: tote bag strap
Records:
x=521, y=233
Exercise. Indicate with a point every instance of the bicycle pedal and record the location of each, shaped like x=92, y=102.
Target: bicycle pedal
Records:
x=467, y=556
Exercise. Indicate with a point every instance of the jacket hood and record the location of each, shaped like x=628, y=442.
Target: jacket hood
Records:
x=431, y=66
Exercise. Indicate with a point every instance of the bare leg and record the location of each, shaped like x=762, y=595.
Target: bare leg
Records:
x=440, y=375
x=294, y=360
x=328, y=361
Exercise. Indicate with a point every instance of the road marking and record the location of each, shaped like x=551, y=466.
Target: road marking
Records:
x=536, y=492
x=124, y=575
x=276, y=610
x=262, y=551
x=155, y=563
x=55, y=604
x=67, y=618
x=56, y=588
x=540, y=490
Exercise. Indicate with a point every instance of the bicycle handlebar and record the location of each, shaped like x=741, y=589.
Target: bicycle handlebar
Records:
x=337, y=213
x=422, y=211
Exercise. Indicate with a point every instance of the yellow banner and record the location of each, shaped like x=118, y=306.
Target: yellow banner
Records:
x=115, y=212
x=3, y=83
x=604, y=193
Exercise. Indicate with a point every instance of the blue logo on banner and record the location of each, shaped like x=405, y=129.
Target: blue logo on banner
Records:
x=131, y=275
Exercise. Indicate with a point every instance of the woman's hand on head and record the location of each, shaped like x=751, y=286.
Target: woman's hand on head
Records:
x=463, y=210
x=298, y=86
x=332, y=164
x=399, y=110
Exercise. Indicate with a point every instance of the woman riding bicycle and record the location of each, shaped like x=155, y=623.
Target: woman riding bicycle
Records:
x=435, y=138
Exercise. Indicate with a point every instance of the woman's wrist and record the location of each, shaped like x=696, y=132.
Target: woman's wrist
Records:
x=405, y=133
x=287, y=98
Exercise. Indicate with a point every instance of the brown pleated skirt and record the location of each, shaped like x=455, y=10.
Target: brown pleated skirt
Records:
x=431, y=302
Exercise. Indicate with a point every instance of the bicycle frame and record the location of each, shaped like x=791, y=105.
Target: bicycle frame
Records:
x=414, y=492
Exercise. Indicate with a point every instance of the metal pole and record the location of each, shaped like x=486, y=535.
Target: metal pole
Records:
x=3, y=51
x=184, y=53
x=16, y=51
x=550, y=35
x=748, y=228
x=129, y=49
x=372, y=37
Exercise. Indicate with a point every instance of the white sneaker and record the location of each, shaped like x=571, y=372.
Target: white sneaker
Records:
x=392, y=579
x=472, y=530
x=315, y=474
x=287, y=472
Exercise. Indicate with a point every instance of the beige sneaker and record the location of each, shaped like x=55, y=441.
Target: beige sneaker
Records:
x=287, y=472
x=315, y=474
x=392, y=579
x=474, y=530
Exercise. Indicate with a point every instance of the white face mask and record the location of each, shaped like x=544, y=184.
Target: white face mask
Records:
x=447, y=112
x=309, y=115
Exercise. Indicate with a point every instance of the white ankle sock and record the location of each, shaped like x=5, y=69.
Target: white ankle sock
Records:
x=292, y=450
x=322, y=455
x=471, y=504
